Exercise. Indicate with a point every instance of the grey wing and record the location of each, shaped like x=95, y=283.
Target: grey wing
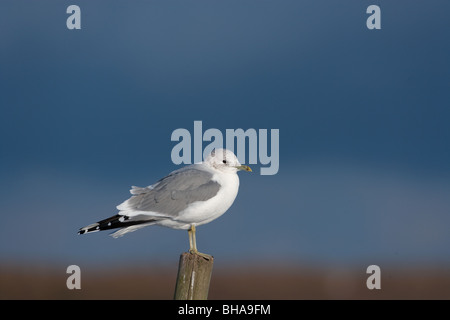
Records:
x=173, y=194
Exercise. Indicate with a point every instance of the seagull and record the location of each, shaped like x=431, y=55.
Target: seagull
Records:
x=186, y=198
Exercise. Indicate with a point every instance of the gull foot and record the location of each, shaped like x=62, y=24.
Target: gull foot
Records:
x=203, y=255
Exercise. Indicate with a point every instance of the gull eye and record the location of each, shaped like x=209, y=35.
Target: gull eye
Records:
x=224, y=161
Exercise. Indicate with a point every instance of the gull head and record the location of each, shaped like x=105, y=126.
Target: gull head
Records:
x=225, y=160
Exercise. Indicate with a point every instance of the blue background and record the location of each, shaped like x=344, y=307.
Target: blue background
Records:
x=363, y=118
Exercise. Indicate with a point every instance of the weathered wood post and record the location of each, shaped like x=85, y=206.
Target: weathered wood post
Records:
x=194, y=275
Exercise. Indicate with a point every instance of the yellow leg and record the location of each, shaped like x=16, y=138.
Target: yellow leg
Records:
x=193, y=243
x=192, y=240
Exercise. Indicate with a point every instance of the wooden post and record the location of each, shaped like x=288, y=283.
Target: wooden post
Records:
x=194, y=275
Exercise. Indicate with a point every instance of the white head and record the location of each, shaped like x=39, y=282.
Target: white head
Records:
x=225, y=160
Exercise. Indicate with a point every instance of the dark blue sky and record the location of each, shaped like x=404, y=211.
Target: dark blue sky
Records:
x=363, y=118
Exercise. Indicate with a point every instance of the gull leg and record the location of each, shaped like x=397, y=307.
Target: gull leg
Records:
x=191, y=249
x=193, y=244
x=192, y=240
